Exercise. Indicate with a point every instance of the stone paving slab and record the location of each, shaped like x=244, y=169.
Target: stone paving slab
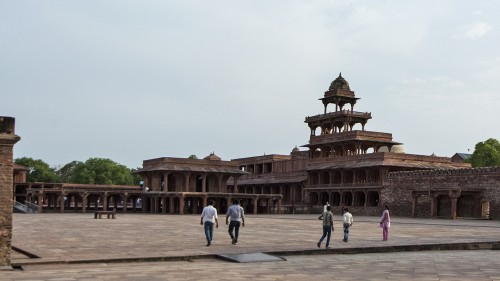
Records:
x=132, y=237
x=250, y=257
x=78, y=247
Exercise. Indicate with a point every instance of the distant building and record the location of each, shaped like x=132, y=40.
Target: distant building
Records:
x=460, y=157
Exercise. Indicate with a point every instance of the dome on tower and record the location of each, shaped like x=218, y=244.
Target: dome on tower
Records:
x=339, y=84
x=383, y=149
x=398, y=148
x=394, y=149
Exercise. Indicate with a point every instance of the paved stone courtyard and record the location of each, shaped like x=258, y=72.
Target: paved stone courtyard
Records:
x=164, y=247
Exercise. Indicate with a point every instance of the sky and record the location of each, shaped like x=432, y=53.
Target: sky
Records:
x=136, y=80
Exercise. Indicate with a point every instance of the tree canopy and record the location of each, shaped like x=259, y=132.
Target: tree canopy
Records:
x=101, y=171
x=92, y=171
x=486, y=154
x=39, y=171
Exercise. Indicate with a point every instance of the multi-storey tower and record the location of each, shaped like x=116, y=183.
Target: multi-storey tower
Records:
x=348, y=165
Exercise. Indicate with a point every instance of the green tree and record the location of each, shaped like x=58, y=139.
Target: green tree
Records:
x=136, y=177
x=66, y=171
x=192, y=156
x=486, y=154
x=101, y=171
x=39, y=171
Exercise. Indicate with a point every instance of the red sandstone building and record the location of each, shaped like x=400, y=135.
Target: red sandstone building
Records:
x=344, y=164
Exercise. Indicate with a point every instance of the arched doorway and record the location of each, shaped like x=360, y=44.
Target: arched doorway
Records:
x=465, y=206
x=444, y=206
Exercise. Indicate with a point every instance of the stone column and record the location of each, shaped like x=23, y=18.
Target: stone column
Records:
x=62, y=202
x=186, y=182
x=40, y=201
x=204, y=184
x=181, y=205
x=235, y=186
x=124, y=198
x=7, y=141
x=454, y=195
x=255, y=206
x=84, y=202
x=105, y=201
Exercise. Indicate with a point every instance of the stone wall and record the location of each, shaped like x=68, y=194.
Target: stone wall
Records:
x=7, y=141
x=482, y=181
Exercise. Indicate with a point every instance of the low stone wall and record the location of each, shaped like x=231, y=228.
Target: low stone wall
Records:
x=482, y=181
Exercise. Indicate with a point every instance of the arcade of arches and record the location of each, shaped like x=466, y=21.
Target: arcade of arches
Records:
x=86, y=198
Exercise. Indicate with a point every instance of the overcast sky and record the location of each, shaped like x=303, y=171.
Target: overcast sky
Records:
x=135, y=80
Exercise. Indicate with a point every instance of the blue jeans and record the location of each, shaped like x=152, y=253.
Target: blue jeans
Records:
x=209, y=231
x=346, y=231
x=234, y=225
x=327, y=232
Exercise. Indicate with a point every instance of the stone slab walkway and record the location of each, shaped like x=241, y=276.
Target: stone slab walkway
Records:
x=79, y=247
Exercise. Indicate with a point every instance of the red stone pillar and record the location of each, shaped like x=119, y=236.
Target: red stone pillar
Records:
x=84, y=202
x=454, y=195
x=255, y=206
x=105, y=201
x=62, y=202
x=414, y=198
x=7, y=141
x=204, y=184
x=186, y=182
x=181, y=205
x=40, y=201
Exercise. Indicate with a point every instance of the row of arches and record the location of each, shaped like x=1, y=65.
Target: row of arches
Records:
x=361, y=198
x=340, y=177
x=450, y=204
x=149, y=202
x=185, y=182
x=344, y=149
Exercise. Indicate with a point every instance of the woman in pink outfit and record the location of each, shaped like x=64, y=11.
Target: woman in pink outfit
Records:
x=385, y=223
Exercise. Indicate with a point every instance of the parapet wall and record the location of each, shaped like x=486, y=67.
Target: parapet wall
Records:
x=447, y=172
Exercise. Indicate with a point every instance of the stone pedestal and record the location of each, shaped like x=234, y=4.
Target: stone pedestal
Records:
x=7, y=140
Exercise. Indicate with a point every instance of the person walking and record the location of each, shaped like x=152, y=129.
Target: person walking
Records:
x=327, y=218
x=326, y=205
x=208, y=217
x=237, y=215
x=385, y=223
x=347, y=223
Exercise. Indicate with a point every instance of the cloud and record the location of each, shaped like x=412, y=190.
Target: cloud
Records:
x=477, y=30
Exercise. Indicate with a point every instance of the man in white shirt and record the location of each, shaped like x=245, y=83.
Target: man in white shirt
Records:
x=324, y=207
x=347, y=223
x=208, y=217
x=237, y=215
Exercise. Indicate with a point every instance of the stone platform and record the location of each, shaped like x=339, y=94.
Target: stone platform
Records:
x=172, y=247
